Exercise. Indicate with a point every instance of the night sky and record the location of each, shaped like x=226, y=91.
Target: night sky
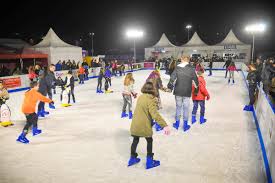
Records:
x=72, y=20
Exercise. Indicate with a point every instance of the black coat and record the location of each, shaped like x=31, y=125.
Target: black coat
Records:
x=71, y=82
x=183, y=76
x=252, y=78
x=227, y=63
x=44, y=86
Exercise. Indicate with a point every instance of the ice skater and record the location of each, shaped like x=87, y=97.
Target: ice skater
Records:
x=127, y=94
x=5, y=113
x=252, y=86
x=232, y=68
x=210, y=66
x=226, y=65
x=81, y=74
x=99, y=81
x=145, y=112
x=69, y=83
x=28, y=108
x=199, y=97
x=108, y=81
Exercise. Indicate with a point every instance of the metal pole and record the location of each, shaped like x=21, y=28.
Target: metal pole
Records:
x=188, y=34
x=253, y=47
x=92, y=44
x=134, y=50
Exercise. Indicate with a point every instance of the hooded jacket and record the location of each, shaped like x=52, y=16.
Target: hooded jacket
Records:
x=183, y=76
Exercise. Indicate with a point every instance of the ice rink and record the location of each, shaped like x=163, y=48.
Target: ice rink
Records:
x=90, y=143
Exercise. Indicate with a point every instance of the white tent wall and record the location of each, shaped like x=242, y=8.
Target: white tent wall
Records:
x=66, y=53
x=168, y=52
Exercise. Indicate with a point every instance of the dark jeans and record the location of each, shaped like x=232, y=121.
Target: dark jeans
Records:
x=31, y=121
x=114, y=71
x=226, y=73
x=99, y=84
x=81, y=78
x=196, y=105
x=149, y=146
x=210, y=70
x=252, y=89
x=41, y=105
x=107, y=83
x=69, y=95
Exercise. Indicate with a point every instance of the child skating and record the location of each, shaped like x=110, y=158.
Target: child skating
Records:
x=232, y=68
x=199, y=97
x=127, y=94
x=145, y=112
x=108, y=81
x=99, y=81
x=28, y=108
x=69, y=83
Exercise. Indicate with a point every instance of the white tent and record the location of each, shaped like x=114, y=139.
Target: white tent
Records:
x=195, y=41
x=163, y=42
x=58, y=49
x=231, y=39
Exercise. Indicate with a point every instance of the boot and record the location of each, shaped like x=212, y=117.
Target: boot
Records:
x=202, y=120
x=193, y=119
x=97, y=91
x=248, y=108
x=22, y=138
x=158, y=127
x=36, y=131
x=124, y=115
x=151, y=163
x=133, y=161
x=45, y=112
x=130, y=115
x=100, y=91
x=41, y=114
x=186, y=126
x=176, y=124
x=51, y=106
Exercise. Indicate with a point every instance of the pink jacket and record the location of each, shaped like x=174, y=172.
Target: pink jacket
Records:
x=232, y=68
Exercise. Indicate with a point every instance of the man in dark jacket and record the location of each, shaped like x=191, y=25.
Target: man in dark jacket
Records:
x=183, y=77
x=267, y=70
x=226, y=65
x=210, y=66
x=252, y=85
x=50, y=77
x=259, y=69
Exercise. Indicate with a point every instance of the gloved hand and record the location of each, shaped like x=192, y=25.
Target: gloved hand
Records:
x=208, y=97
x=166, y=130
x=52, y=102
x=170, y=86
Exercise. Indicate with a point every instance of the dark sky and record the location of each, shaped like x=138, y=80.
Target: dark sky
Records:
x=109, y=20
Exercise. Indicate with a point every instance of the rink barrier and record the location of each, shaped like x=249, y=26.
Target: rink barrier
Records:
x=261, y=139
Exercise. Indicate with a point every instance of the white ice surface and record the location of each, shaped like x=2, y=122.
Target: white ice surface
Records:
x=89, y=142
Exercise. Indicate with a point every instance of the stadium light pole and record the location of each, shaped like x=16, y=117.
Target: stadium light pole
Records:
x=188, y=27
x=254, y=29
x=134, y=34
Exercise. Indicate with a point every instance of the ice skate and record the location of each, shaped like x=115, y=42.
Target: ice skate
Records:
x=193, y=119
x=186, y=127
x=36, y=131
x=176, y=124
x=202, y=120
x=124, y=115
x=133, y=161
x=151, y=163
x=22, y=138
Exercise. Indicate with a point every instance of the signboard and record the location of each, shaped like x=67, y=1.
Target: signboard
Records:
x=149, y=65
x=11, y=82
x=160, y=50
x=230, y=47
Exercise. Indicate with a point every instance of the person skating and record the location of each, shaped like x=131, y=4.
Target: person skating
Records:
x=4, y=108
x=99, y=81
x=28, y=108
x=199, y=97
x=141, y=126
x=252, y=85
x=127, y=94
x=226, y=65
x=182, y=78
x=231, y=68
x=69, y=83
x=81, y=74
x=210, y=66
x=50, y=77
x=108, y=81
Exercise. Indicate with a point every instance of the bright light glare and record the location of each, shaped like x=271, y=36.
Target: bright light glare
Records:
x=134, y=33
x=255, y=28
x=188, y=27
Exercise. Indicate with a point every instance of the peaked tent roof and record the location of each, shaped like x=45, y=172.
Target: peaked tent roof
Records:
x=164, y=42
x=231, y=39
x=52, y=40
x=195, y=41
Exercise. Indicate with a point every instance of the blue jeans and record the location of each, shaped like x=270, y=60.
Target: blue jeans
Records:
x=196, y=105
x=182, y=103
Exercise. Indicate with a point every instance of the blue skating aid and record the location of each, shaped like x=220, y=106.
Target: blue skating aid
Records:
x=202, y=120
x=36, y=131
x=186, y=126
x=124, y=115
x=133, y=161
x=130, y=115
x=22, y=138
x=193, y=119
x=51, y=106
x=248, y=108
x=176, y=124
x=150, y=163
x=158, y=127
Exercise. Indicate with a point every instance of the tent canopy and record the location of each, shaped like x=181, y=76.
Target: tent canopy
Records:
x=195, y=41
x=230, y=39
x=52, y=40
x=163, y=42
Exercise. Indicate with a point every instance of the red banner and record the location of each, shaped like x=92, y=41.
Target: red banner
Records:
x=148, y=65
x=11, y=82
